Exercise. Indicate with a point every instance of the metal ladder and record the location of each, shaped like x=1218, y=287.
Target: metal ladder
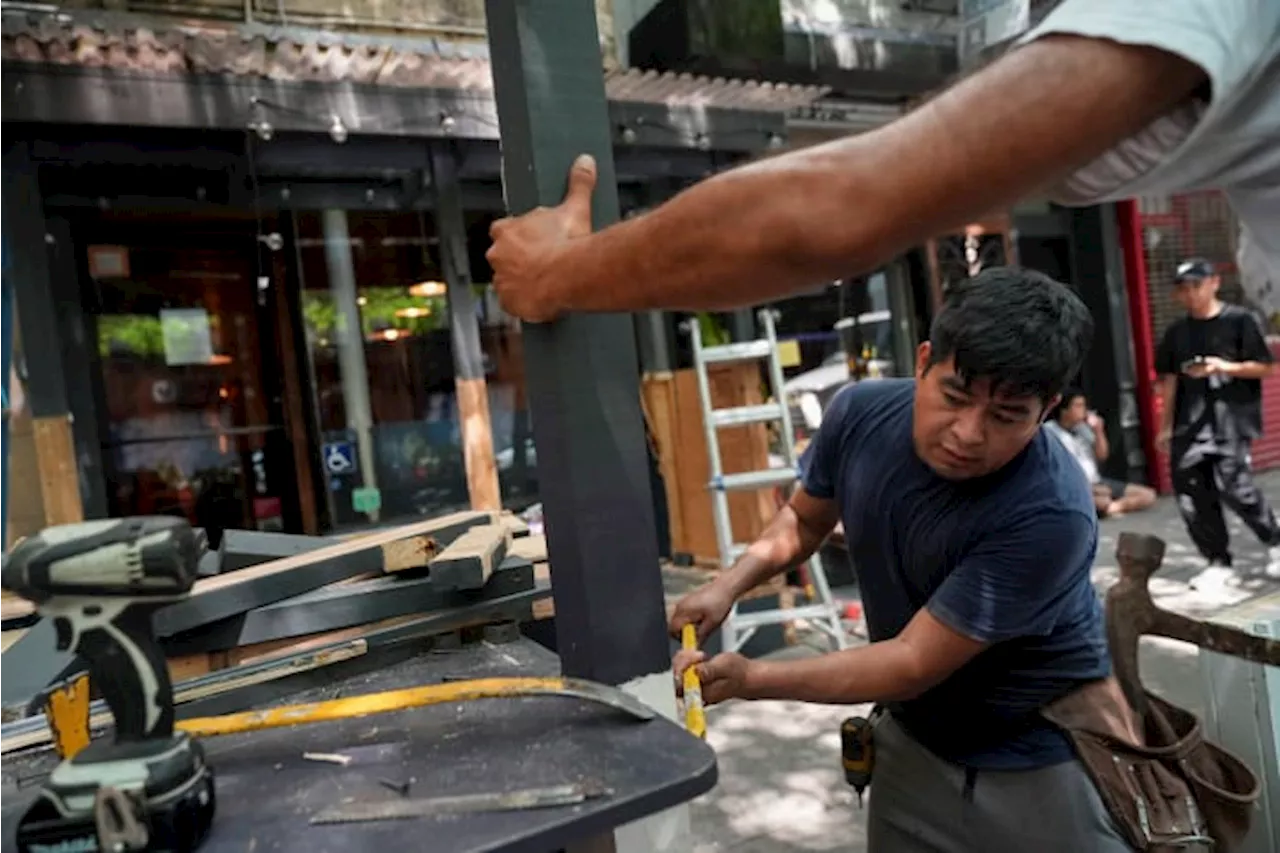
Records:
x=738, y=627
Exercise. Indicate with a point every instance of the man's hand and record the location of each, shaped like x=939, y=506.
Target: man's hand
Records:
x=704, y=608
x=525, y=249
x=723, y=677
x=1163, y=439
x=1095, y=421
x=1210, y=366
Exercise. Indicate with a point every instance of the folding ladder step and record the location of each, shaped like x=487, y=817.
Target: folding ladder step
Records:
x=755, y=480
x=742, y=415
x=748, y=621
x=744, y=351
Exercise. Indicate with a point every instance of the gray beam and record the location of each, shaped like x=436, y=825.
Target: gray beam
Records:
x=588, y=428
x=77, y=334
x=95, y=97
x=29, y=270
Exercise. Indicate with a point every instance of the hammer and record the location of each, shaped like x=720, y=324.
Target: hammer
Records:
x=1131, y=613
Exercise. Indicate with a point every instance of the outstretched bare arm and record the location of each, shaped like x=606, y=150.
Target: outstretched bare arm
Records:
x=765, y=230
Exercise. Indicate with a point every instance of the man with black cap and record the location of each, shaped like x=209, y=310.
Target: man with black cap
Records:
x=1211, y=364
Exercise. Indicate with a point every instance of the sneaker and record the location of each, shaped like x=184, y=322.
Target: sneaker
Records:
x=1215, y=576
x=1273, y=563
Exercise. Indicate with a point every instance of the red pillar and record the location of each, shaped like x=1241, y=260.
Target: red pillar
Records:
x=1129, y=221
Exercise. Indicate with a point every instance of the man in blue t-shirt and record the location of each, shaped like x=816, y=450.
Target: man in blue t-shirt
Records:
x=972, y=533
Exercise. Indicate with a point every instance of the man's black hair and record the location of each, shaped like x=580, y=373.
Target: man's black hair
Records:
x=1016, y=328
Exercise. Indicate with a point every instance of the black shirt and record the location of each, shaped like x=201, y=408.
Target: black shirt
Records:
x=1217, y=413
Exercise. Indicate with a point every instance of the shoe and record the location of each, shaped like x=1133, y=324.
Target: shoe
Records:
x=1215, y=576
x=1273, y=563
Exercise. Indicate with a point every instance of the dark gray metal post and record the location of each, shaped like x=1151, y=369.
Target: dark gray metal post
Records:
x=587, y=424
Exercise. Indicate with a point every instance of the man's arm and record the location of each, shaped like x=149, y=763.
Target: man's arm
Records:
x=793, y=535
x=1168, y=389
x=1101, y=447
x=1013, y=584
x=766, y=230
x=923, y=655
x=1246, y=369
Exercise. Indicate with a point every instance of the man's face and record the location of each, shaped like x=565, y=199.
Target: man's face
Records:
x=1074, y=411
x=1196, y=295
x=963, y=431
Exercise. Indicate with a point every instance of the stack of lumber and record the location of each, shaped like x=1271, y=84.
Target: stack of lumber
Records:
x=269, y=598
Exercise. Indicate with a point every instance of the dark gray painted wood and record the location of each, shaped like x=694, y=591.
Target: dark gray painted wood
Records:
x=588, y=428
x=36, y=303
x=345, y=606
x=77, y=337
x=240, y=549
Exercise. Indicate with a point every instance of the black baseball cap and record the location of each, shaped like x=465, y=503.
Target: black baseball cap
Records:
x=1193, y=269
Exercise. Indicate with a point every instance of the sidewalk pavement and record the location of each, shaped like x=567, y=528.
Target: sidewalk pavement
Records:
x=781, y=788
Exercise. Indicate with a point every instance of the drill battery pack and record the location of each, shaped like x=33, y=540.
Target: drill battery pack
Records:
x=153, y=796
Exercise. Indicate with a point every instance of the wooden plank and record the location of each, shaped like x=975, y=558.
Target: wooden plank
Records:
x=241, y=549
x=345, y=605
x=471, y=559
x=658, y=396
x=59, y=478
x=228, y=594
x=517, y=525
x=532, y=548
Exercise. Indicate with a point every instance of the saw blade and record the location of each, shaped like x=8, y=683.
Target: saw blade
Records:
x=407, y=807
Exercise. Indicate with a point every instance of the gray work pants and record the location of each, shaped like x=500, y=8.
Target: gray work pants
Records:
x=920, y=803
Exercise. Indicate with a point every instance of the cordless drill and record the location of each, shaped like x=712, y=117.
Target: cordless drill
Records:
x=857, y=752
x=100, y=582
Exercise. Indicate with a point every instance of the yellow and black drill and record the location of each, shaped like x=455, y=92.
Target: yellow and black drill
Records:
x=857, y=752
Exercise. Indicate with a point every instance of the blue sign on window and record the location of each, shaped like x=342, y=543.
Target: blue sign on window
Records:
x=339, y=457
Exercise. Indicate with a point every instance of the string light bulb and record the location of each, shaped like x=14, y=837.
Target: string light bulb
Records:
x=337, y=130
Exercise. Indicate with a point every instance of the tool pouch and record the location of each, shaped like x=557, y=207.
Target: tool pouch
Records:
x=1167, y=789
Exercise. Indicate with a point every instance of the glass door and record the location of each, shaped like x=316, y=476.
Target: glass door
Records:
x=185, y=337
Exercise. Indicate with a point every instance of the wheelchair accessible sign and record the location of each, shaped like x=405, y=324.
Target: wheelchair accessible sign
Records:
x=339, y=458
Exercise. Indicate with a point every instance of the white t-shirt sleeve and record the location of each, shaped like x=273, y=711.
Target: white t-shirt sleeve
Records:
x=1232, y=41
x=1226, y=38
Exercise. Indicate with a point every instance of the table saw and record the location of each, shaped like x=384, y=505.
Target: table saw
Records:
x=268, y=792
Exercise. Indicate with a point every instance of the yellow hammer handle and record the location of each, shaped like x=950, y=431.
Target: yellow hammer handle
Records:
x=695, y=717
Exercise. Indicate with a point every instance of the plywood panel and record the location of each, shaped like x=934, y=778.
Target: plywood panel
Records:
x=59, y=479
x=674, y=412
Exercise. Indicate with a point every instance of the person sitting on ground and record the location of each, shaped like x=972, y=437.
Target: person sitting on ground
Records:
x=1085, y=434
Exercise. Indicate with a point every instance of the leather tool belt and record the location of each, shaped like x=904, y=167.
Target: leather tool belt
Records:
x=1167, y=789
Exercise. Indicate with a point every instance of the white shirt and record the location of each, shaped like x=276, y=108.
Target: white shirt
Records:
x=1082, y=443
x=1231, y=143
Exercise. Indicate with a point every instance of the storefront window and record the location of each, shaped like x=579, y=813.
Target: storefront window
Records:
x=192, y=419
x=376, y=324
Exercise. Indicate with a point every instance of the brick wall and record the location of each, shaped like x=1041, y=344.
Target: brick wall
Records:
x=1266, y=450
